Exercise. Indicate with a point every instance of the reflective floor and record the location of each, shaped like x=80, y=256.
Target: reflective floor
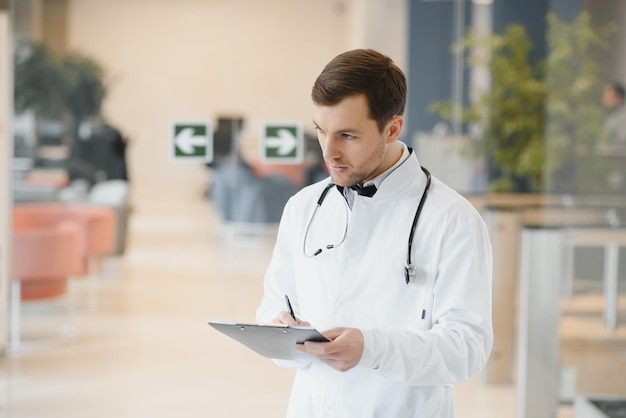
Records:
x=146, y=351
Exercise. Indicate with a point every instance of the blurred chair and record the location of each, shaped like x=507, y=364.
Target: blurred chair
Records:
x=240, y=196
x=114, y=194
x=43, y=259
x=610, y=239
x=98, y=226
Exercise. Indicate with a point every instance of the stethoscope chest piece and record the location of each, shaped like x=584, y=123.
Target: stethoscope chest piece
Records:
x=413, y=275
x=409, y=274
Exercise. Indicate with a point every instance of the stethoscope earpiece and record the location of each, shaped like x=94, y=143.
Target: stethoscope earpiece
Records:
x=319, y=250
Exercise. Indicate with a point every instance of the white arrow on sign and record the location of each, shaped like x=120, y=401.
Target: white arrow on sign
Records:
x=186, y=140
x=286, y=141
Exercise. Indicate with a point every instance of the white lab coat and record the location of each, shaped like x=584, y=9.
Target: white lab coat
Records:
x=409, y=364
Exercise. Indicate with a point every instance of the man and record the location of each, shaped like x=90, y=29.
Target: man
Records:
x=398, y=342
x=615, y=122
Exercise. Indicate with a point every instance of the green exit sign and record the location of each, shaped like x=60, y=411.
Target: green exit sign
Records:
x=282, y=142
x=192, y=141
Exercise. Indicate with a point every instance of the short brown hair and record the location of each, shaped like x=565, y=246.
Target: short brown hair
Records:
x=363, y=71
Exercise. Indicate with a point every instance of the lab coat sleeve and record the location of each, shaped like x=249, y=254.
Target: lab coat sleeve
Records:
x=460, y=340
x=279, y=281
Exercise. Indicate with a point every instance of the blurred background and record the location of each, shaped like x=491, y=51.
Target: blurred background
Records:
x=147, y=148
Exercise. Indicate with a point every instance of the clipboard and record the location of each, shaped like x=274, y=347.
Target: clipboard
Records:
x=271, y=341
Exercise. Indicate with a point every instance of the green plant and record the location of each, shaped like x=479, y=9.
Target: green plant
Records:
x=574, y=115
x=536, y=113
x=69, y=87
x=39, y=83
x=86, y=88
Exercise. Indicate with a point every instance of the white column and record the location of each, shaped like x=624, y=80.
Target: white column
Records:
x=381, y=25
x=482, y=23
x=504, y=232
x=6, y=152
x=538, y=376
x=611, y=284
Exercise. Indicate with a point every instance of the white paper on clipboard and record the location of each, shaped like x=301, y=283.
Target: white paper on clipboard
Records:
x=271, y=341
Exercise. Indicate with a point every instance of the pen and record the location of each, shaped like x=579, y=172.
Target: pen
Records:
x=290, y=309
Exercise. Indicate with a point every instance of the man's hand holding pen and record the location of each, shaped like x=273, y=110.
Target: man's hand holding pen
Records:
x=288, y=317
x=285, y=318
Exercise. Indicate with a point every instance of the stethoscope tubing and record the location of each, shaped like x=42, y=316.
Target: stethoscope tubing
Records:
x=409, y=263
x=409, y=269
x=308, y=227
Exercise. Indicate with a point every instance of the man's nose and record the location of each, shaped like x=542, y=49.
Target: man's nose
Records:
x=331, y=149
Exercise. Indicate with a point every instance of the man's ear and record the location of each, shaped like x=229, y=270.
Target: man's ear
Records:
x=394, y=127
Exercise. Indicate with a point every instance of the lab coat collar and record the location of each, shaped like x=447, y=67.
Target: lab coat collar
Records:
x=406, y=178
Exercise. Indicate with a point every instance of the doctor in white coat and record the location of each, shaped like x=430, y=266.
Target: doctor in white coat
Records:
x=392, y=265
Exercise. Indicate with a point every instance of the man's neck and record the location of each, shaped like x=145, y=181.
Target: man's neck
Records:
x=393, y=155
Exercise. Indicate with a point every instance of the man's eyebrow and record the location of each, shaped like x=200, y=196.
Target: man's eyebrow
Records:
x=340, y=131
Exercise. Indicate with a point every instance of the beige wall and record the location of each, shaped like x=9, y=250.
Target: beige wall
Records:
x=197, y=59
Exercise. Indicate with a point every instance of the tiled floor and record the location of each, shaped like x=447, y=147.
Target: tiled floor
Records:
x=147, y=351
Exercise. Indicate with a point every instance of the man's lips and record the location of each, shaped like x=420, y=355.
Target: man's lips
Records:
x=335, y=167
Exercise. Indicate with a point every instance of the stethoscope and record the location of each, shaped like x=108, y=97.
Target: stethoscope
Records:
x=409, y=269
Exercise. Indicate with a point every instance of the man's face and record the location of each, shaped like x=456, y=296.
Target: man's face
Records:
x=354, y=150
x=610, y=98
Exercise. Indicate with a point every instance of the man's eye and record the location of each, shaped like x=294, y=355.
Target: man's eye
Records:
x=319, y=130
x=348, y=136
